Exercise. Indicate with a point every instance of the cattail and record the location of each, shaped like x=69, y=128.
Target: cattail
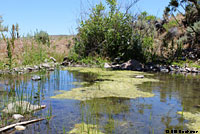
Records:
x=17, y=30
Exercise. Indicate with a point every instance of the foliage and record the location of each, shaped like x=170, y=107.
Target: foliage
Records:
x=113, y=34
x=34, y=55
x=102, y=34
x=2, y=28
x=193, y=33
x=145, y=31
x=2, y=65
x=10, y=44
x=42, y=37
x=191, y=8
x=171, y=24
x=182, y=63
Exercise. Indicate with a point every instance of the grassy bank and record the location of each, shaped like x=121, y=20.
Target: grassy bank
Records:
x=29, y=51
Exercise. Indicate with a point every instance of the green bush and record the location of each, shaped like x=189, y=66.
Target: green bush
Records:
x=102, y=34
x=193, y=33
x=112, y=34
x=42, y=37
x=145, y=30
x=34, y=55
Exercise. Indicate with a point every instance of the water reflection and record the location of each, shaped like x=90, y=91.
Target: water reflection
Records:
x=112, y=115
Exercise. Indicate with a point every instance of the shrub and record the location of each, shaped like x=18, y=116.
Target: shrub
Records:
x=42, y=37
x=145, y=31
x=113, y=34
x=35, y=54
x=193, y=33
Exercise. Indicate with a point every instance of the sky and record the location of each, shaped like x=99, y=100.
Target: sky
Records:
x=60, y=17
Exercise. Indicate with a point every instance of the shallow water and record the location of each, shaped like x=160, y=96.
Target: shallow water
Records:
x=174, y=92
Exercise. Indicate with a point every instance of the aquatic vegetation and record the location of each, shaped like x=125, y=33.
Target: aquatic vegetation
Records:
x=121, y=84
x=85, y=129
x=194, y=120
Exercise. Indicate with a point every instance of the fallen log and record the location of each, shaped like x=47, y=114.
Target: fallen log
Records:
x=20, y=123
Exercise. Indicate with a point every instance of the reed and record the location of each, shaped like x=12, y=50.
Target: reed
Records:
x=10, y=44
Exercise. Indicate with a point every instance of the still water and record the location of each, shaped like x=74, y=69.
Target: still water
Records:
x=174, y=92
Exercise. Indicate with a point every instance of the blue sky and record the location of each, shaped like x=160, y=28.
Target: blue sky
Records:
x=60, y=16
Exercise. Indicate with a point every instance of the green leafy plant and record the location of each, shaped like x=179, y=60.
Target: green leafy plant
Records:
x=112, y=34
x=35, y=54
x=42, y=37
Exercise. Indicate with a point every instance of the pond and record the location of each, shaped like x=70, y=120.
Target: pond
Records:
x=110, y=114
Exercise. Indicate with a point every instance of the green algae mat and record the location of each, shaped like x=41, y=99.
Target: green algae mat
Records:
x=85, y=129
x=193, y=118
x=107, y=83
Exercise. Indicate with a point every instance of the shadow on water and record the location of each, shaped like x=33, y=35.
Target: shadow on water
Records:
x=111, y=115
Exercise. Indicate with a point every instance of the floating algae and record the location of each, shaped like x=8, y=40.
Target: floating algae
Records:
x=85, y=129
x=107, y=84
x=194, y=120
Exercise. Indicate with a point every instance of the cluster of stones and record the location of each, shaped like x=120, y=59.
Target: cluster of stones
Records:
x=172, y=68
x=49, y=66
x=136, y=66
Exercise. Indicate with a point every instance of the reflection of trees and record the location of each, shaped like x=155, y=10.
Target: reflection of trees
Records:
x=184, y=87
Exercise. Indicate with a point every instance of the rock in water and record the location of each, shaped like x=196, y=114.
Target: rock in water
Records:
x=164, y=70
x=20, y=128
x=131, y=65
x=106, y=65
x=36, y=78
x=21, y=107
x=17, y=116
x=139, y=76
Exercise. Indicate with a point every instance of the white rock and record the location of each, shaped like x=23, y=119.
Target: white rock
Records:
x=139, y=76
x=17, y=116
x=53, y=59
x=20, y=128
x=106, y=65
x=25, y=107
x=46, y=65
x=36, y=78
x=188, y=69
x=36, y=67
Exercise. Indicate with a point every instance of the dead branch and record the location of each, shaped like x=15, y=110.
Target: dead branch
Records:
x=18, y=124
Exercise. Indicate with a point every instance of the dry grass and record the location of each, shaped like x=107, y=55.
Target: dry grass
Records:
x=59, y=47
